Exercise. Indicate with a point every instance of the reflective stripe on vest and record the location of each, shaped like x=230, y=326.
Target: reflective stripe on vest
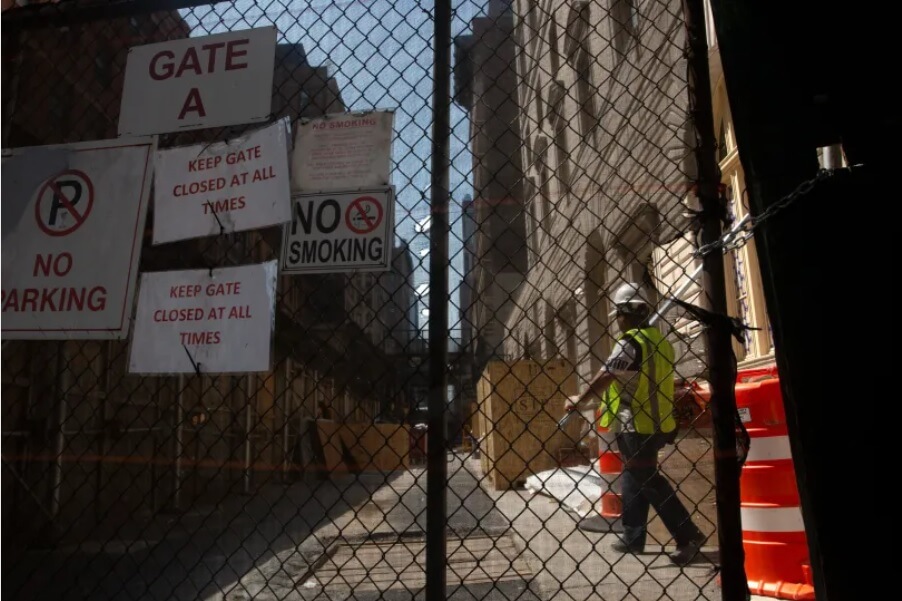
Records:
x=652, y=406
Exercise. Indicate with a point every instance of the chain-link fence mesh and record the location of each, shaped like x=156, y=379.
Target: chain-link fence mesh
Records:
x=573, y=172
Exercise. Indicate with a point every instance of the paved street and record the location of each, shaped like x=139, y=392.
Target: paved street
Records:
x=362, y=537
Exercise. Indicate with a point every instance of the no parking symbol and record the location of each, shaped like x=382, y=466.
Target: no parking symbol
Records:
x=64, y=203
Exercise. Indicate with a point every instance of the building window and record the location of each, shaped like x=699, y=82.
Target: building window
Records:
x=533, y=18
x=624, y=24
x=745, y=294
x=545, y=196
x=563, y=160
x=553, y=49
x=550, y=335
x=540, y=108
x=740, y=290
x=532, y=225
x=722, y=150
x=585, y=95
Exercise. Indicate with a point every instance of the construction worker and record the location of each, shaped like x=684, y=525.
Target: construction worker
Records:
x=636, y=386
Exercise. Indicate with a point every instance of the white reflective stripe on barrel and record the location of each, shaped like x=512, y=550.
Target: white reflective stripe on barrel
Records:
x=769, y=448
x=772, y=519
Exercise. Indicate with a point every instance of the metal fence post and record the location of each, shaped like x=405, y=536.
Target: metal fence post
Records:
x=64, y=381
x=437, y=465
x=179, y=441
x=248, y=418
x=720, y=359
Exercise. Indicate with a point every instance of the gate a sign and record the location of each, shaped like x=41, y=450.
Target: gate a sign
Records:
x=194, y=83
x=339, y=231
x=70, y=255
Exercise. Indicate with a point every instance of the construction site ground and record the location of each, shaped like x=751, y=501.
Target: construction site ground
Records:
x=362, y=536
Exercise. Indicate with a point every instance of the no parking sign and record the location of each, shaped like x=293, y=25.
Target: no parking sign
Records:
x=71, y=251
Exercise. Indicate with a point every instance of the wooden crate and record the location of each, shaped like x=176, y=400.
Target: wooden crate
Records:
x=520, y=404
x=360, y=447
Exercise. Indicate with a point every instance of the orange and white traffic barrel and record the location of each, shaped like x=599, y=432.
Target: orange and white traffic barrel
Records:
x=773, y=534
x=610, y=466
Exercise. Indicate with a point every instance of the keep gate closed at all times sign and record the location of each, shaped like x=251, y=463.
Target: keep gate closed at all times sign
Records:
x=231, y=186
x=217, y=321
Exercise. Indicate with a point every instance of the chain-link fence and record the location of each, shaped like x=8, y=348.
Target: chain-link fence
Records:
x=572, y=170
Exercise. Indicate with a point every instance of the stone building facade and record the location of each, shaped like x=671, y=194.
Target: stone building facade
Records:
x=607, y=159
x=494, y=221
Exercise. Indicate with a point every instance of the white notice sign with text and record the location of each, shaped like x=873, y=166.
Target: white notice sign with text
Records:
x=73, y=224
x=232, y=186
x=193, y=83
x=198, y=321
x=346, y=151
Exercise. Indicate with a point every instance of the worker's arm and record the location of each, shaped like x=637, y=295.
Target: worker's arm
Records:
x=621, y=365
x=588, y=399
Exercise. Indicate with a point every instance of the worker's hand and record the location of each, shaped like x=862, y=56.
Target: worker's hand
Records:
x=571, y=404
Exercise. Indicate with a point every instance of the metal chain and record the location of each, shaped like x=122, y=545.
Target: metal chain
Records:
x=740, y=235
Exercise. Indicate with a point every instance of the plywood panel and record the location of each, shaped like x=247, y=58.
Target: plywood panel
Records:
x=363, y=446
x=521, y=403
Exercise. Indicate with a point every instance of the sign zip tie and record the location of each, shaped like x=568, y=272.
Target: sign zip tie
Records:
x=191, y=359
x=221, y=226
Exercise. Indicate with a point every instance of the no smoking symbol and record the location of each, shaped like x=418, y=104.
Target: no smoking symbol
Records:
x=64, y=203
x=363, y=215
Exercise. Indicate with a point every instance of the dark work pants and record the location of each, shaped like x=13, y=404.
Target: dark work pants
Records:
x=644, y=486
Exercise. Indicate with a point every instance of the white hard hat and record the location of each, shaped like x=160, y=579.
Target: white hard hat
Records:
x=629, y=295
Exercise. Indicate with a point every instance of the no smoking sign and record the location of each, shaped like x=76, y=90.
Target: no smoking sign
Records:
x=364, y=215
x=332, y=232
x=64, y=203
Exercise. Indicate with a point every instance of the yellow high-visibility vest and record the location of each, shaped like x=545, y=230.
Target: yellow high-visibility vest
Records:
x=652, y=406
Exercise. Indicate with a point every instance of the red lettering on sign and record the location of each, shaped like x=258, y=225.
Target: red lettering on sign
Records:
x=162, y=65
x=211, y=51
x=168, y=68
x=193, y=103
x=201, y=187
x=40, y=300
x=184, y=291
x=44, y=264
x=240, y=312
x=162, y=315
x=224, y=288
x=30, y=297
x=198, y=338
x=204, y=163
x=232, y=54
x=249, y=154
x=224, y=205
x=189, y=61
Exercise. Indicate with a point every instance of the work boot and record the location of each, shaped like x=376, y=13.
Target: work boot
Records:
x=622, y=547
x=630, y=542
x=686, y=552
